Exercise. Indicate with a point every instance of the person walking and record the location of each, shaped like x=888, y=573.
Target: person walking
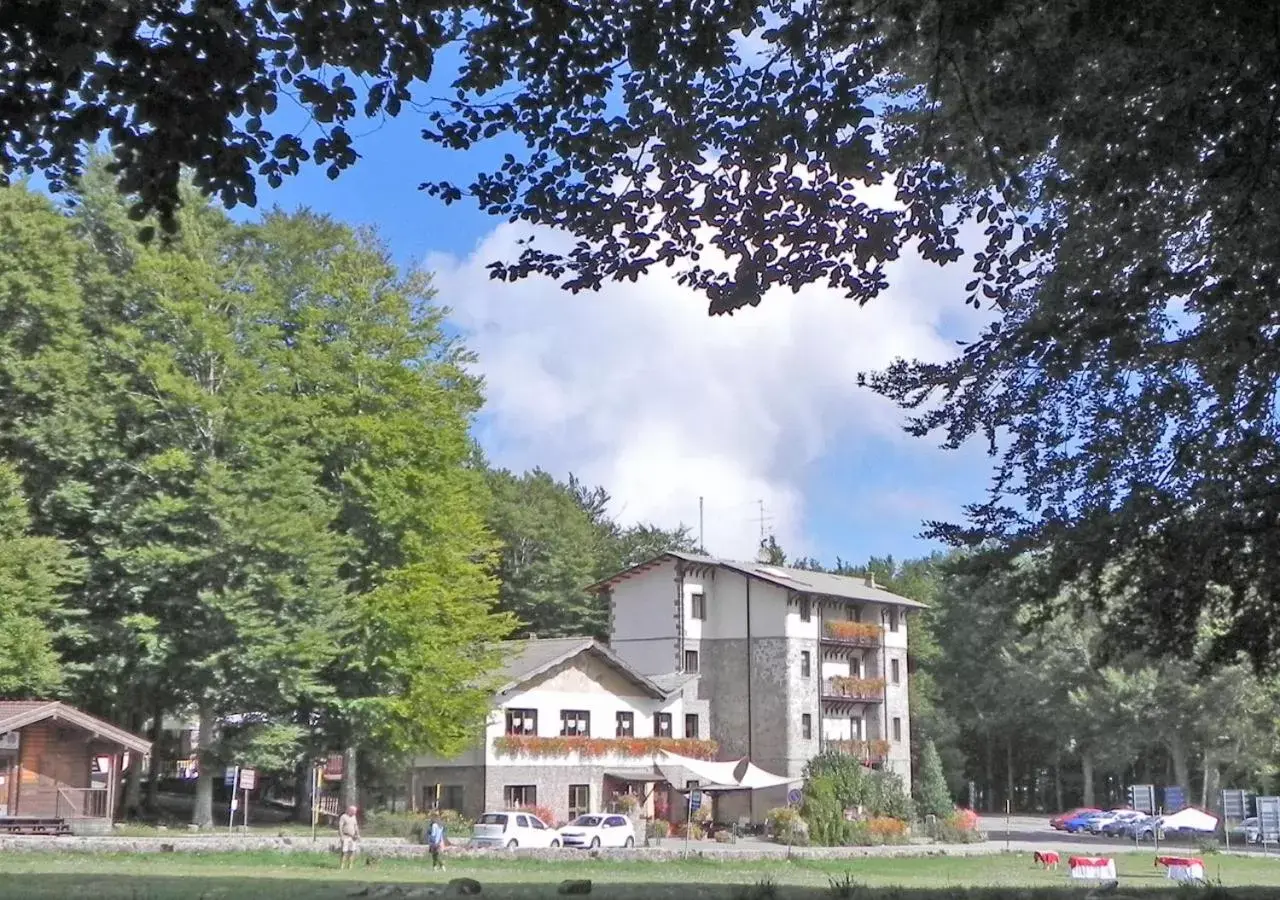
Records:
x=435, y=842
x=349, y=836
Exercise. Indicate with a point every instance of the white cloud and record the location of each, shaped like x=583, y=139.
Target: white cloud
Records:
x=636, y=388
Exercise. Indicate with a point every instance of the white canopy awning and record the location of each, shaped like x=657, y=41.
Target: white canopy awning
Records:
x=1190, y=819
x=733, y=775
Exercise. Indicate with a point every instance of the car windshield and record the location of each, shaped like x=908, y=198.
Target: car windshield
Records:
x=586, y=821
x=492, y=819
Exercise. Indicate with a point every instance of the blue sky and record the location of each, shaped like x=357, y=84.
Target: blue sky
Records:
x=638, y=390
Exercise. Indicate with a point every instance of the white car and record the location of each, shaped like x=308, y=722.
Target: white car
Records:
x=1114, y=816
x=599, y=830
x=513, y=829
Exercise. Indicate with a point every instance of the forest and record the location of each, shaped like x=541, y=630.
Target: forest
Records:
x=239, y=484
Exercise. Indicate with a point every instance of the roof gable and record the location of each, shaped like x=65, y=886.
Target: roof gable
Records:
x=529, y=659
x=18, y=714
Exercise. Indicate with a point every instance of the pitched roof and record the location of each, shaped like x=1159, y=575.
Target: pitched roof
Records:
x=843, y=587
x=526, y=660
x=18, y=714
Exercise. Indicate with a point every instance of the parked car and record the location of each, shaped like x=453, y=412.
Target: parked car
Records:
x=1251, y=828
x=599, y=830
x=1100, y=823
x=1120, y=827
x=1059, y=823
x=513, y=829
x=1143, y=829
x=1081, y=823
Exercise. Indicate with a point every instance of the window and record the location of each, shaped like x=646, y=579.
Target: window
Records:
x=805, y=664
x=579, y=800
x=662, y=724
x=691, y=661
x=537, y=824
x=698, y=605
x=626, y=724
x=522, y=821
x=449, y=797
x=522, y=721
x=615, y=822
x=853, y=613
x=575, y=723
x=518, y=795
x=855, y=727
x=806, y=609
x=897, y=729
x=895, y=674
x=893, y=618
x=806, y=726
x=691, y=725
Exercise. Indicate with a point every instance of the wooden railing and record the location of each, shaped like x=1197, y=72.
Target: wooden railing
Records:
x=856, y=634
x=868, y=751
x=82, y=803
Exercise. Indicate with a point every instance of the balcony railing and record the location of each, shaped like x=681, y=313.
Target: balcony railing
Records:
x=844, y=687
x=854, y=634
x=594, y=748
x=867, y=751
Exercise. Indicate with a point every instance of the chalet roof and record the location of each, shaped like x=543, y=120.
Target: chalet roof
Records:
x=823, y=584
x=18, y=714
x=527, y=659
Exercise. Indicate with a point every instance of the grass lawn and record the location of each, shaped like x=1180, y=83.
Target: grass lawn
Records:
x=265, y=876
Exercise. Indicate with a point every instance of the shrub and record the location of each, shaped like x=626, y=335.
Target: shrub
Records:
x=876, y=832
x=658, y=828
x=784, y=824
x=724, y=837
x=835, y=782
x=960, y=827
x=627, y=804
x=381, y=823
x=692, y=831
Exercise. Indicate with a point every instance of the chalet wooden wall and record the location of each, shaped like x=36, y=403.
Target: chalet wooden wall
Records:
x=50, y=755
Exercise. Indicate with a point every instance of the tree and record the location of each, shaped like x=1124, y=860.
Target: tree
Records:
x=33, y=574
x=934, y=798
x=1117, y=162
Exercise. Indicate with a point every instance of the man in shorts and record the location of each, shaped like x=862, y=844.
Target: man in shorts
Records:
x=348, y=836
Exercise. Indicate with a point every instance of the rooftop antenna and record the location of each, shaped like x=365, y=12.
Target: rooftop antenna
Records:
x=702, y=536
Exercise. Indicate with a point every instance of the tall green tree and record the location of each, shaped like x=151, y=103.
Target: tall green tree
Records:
x=934, y=799
x=34, y=572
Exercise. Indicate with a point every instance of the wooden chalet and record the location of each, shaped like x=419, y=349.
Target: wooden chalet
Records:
x=60, y=767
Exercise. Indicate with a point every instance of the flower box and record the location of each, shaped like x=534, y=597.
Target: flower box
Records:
x=862, y=634
x=594, y=748
x=865, y=750
x=855, y=688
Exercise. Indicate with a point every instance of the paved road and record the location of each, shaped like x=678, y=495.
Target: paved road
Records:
x=1031, y=833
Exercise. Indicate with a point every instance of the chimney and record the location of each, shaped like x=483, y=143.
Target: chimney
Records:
x=870, y=580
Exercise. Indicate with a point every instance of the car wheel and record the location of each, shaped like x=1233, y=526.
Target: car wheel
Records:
x=555, y=843
x=595, y=843
x=512, y=844
x=631, y=842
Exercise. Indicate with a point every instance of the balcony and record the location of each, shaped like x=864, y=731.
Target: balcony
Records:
x=844, y=690
x=867, y=751
x=595, y=748
x=851, y=634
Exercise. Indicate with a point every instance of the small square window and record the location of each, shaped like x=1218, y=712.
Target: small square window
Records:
x=895, y=672
x=575, y=723
x=691, y=661
x=691, y=726
x=806, y=665
x=522, y=721
x=519, y=796
x=897, y=729
x=579, y=800
x=626, y=725
x=893, y=619
x=806, y=726
x=806, y=609
x=662, y=725
x=698, y=606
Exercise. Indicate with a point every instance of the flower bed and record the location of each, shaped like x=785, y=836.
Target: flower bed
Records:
x=862, y=633
x=593, y=748
x=856, y=688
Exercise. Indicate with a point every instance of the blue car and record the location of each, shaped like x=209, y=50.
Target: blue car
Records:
x=1081, y=823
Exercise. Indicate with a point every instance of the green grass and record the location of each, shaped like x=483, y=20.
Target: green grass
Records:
x=267, y=875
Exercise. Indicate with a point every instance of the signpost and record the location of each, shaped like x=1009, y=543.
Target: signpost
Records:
x=1142, y=797
x=1236, y=807
x=248, y=781
x=316, y=772
x=794, y=796
x=1269, y=819
x=1175, y=799
x=233, y=772
x=695, y=804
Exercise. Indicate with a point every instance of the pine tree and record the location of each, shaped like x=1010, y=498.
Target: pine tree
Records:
x=934, y=799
